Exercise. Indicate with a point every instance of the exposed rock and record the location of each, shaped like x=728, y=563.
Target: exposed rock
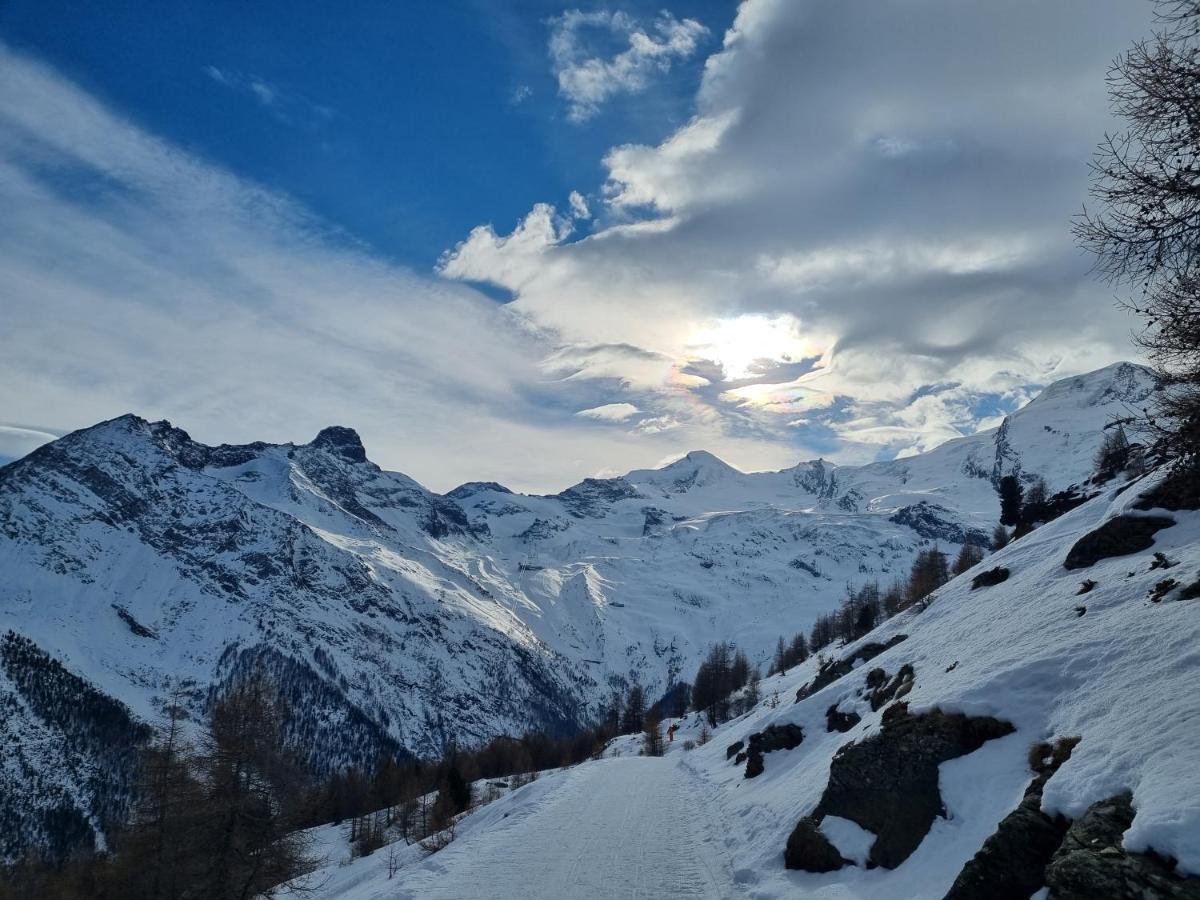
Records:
x=1178, y=491
x=840, y=721
x=655, y=520
x=771, y=738
x=990, y=578
x=1119, y=536
x=1163, y=588
x=733, y=749
x=133, y=624
x=341, y=441
x=1090, y=863
x=808, y=849
x=1162, y=561
x=1034, y=514
x=471, y=488
x=884, y=691
x=595, y=496
x=1011, y=863
x=805, y=566
x=851, y=500
x=936, y=523
x=814, y=478
x=888, y=783
x=832, y=671
x=1085, y=586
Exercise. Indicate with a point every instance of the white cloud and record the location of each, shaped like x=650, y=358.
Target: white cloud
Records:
x=285, y=105
x=135, y=277
x=579, y=206
x=587, y=80
x=266, y=94
x=898, y=188
x=610, y=412
x=17, y=440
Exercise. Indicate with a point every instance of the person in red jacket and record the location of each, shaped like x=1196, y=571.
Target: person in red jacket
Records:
x=671, y=734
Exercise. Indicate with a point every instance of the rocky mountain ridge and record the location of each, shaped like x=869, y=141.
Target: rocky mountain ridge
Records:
x=396, y=619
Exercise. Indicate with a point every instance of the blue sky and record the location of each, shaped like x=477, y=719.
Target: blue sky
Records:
x=531, y=242
x=406, y=124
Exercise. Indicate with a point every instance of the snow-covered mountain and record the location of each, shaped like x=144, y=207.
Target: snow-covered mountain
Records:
x=1031, y=734
x=137, y=562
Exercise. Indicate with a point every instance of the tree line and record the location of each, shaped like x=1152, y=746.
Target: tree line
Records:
x=222, y=815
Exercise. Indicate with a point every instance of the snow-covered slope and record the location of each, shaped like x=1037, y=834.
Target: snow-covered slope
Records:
x=1099, y=659
x=144, y=562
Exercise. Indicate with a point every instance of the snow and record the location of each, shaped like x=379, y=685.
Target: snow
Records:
x=563, y=595
x=632, y=827
x=1123, y=678
x=622, y=579
x=851, y=839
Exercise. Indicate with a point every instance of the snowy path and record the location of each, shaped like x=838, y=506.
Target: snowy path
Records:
x=620, y=828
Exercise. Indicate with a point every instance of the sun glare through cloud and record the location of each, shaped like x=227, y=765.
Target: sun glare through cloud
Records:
x=746, y=346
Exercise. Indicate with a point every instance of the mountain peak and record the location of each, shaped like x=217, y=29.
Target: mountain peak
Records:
x=1120, y=382
x=341, y=441
x=700, y=458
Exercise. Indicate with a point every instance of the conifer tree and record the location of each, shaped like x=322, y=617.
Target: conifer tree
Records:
x=1145, y=230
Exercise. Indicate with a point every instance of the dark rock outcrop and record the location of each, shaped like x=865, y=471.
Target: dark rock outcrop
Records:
x=881, y=690
x=832, y=671
x=770, y=739
x=936, y=523
x=471, y=488
x=1091, y=863
x=1011, y=864
x=990, y=578
x=733, y=749
x=835, y=720
x=1119, y=536
x=655, y=520
x=1035, y=514
x=341, y=441
x=1178, y=491
x=888, y=783
x=754, y=765
x=593, y=497
x=1163, y=588
x=809, y=850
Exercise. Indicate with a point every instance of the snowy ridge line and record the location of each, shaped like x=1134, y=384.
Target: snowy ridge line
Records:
x=381, y=599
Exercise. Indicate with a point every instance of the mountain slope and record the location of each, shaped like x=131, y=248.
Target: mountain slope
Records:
x=146, y=563
x=1107, y=677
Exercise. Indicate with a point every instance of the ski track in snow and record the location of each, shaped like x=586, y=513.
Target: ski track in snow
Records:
x=633, y=829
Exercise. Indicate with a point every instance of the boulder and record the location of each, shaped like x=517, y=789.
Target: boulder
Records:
x=733, y=749
x=840, y=721
x=771, y=738
x=888, y=783
x=1011, y=864
x=808, y=849
x=884, y=691
x=990, y=578
x=1118, y=536
x=1091, y=863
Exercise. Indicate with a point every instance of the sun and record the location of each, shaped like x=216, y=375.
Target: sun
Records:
x=741, y=344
